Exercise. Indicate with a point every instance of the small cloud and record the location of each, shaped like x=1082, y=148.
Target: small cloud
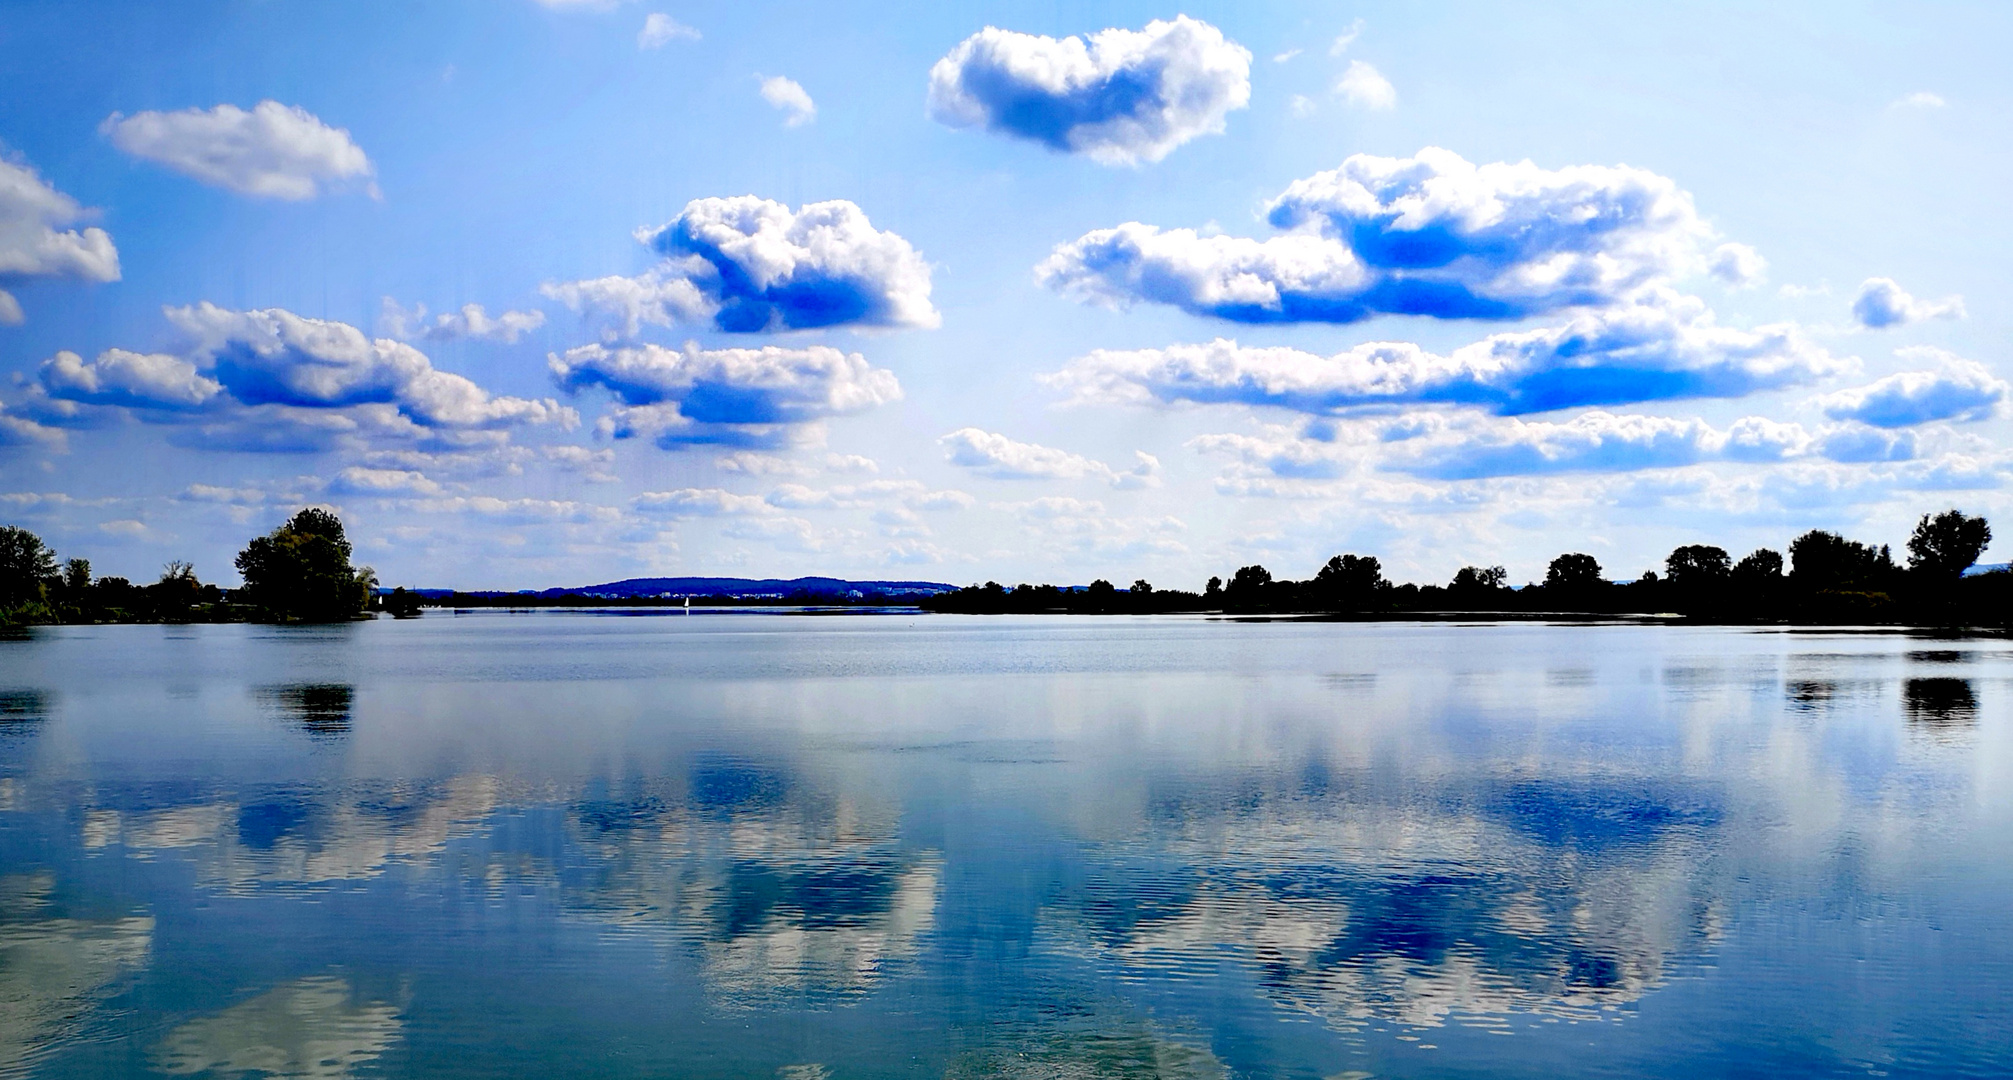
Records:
x=1364, y=87
x=1921, y=99
x=1280, y=58
x=1001, y=458
x=660, y=30
x=124, y=527
x=10, y=310
x=1300, y=105
x=1798, y=292
x=791, y=98
x=1120, y=97
x=357, y=480
x=472, y=321
x=270, y=151
x=1346, y=38
x=1737, y=264
x=1882, y=303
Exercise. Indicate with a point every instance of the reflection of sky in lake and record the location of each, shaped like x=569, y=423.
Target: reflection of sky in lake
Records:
x=820, y=848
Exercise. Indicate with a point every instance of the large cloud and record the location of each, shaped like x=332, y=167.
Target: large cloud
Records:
x=1436, y=446
x=750, y=265
x=1959, y=390
x=1882, y=302
x=275, y=357
x=997, y=456
x=272, y=151
x=33, y=242
x=1120, y=98
x=734, y=396
x=134, y=380
x=1426, y=235
x=274, y=382
x=1651, y=352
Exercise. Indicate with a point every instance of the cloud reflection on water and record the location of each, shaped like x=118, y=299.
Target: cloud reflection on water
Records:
x=313, y=1027
x=782, y=890
x=55, y=969
x=303, y=836
x=1564, y=899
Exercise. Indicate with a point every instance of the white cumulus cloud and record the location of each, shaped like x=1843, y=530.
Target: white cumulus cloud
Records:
x=1882, y=302
x=1646, y=352
x=275, y=357
x=472, y=321
x=791, y=98
x=272, y=150
x=1957, y=390
x=1121, y=97
x=751, y=265
x=34, y=242
x=1364, y=87
x=731, y=396
x=660, y=30
x=1427, y=235
x=135, y=380
x=995, y=455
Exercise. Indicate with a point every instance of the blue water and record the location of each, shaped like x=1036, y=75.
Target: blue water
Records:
x=590, y=845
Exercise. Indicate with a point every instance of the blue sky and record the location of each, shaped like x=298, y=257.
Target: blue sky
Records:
x=879, y=291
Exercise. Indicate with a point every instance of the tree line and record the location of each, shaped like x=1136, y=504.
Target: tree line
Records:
x=1825, y=579
x=299, y=572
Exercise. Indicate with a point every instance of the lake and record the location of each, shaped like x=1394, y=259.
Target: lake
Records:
x=758, y=845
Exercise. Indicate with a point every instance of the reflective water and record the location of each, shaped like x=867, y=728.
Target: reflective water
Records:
x=765, y=846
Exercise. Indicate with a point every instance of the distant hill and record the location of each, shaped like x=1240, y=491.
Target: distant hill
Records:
x=731, y=586
x=749, y=588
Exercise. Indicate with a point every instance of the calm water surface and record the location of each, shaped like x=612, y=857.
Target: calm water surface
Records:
x=805, y=848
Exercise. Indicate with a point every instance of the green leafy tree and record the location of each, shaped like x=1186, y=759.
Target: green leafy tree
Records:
x=1944, y=546
x=301, y=571
x=27, y=568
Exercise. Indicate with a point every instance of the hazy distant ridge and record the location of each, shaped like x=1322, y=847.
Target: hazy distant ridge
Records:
x=729, y=586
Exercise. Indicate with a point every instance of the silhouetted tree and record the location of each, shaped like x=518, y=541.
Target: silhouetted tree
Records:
x=1944, y=546
x=1477, y=578
x=402, y=604
x=1213, y=592
x=1698, y=566
x=1820, y=560
x=1574, y=572
x=301, y=571
x=1248, y=587
x=27, y=568
x=76, y=575
x=1757, y=567
x=1141, y=588
x=1350, y=582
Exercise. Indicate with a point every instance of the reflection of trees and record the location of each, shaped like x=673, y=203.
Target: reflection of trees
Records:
x=313, y=1027
x=52, y=969
x=780, y=891
x=319, y=708
x=1941, y=704
x=1537, y=897
x=305, y=836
